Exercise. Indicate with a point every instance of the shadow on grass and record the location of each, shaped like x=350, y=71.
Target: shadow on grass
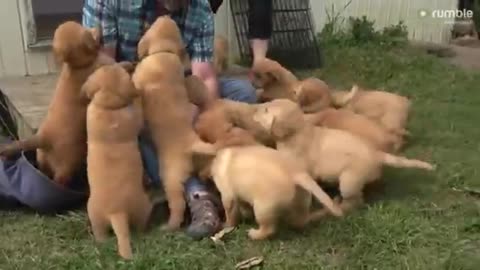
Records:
x=400, y=184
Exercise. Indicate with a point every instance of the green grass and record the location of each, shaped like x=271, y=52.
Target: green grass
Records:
x=417, y=221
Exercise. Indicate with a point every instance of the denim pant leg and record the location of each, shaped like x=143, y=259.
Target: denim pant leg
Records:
x=151, y=166
x=237, y=90
x=149, y=158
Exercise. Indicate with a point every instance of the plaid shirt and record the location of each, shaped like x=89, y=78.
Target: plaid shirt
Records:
x=123, y=23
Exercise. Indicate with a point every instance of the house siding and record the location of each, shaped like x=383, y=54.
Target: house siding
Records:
x=389, y=12
x=17, y=60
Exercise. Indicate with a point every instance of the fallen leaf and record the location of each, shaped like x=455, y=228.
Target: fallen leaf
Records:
x=247, y=264
x=470, y=191
x=217, y=238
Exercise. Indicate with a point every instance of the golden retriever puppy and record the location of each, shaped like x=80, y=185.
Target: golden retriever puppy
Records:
x=357, y=124
x=275, y=80
x=213, y=124
x=389, y=109
x=223, y=114
x=61, y=141
x=331, y=155
x=114, y=165
x=160, y=78
x=234, y=136
x=313, y=95
x=220, y=54
x=163, y=37
x=273, y=183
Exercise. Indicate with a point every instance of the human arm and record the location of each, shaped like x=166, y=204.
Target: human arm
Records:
x=201, y=49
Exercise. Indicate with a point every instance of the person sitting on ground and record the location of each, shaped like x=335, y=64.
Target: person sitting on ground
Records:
x=122, y=25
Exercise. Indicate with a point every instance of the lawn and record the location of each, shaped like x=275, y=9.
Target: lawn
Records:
x=417, y=220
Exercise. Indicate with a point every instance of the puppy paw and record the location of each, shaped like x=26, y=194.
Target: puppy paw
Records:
x=337, y=199
x=337, y=211
x=227, y=225
x=257, y=234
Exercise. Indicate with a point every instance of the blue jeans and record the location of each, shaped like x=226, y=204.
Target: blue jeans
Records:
x=233, y=89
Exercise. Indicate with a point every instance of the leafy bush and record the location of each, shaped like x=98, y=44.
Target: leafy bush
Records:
x=361, y=31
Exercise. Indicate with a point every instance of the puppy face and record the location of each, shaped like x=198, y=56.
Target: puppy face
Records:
x=75, y=45
x=281, y=117
x=313, y=91
x=110, y=87
x=162, y=36
x=266, y=72
x=212, y=125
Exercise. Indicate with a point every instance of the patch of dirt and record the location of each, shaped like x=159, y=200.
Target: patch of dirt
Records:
x=466, y=57
x=464, y=53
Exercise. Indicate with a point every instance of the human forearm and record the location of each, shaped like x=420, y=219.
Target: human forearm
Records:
x=205, y=71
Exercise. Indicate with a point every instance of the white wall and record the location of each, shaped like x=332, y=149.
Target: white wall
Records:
x=388, y=12
x=56, y=6
x=12, y=57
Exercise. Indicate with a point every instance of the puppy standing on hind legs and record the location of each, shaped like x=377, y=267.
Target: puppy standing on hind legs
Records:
x=115, y=172
x=160, y=78
x=61, y=138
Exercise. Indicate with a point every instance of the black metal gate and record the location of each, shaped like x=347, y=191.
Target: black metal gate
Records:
x=293, y=41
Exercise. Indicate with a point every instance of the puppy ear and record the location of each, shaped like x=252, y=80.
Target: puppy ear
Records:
x=133, y=91
x=128, y=66
x=136, y=79
x=96, y=33
x=299, y=92
x=185, y=58
x=90, y=88
x=274, y=74
x=279, y=130
x=90, y=43
x=58, y=57
x=142, y=46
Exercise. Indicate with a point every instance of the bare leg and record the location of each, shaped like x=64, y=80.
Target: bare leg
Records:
x=259, y=49
x=259, y=27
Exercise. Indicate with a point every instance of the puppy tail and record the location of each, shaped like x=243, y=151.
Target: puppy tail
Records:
x=122, y=231
x=342, y=98
x=402, y=162
x=403, y=132
x=28, y=144
x=306, y=182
